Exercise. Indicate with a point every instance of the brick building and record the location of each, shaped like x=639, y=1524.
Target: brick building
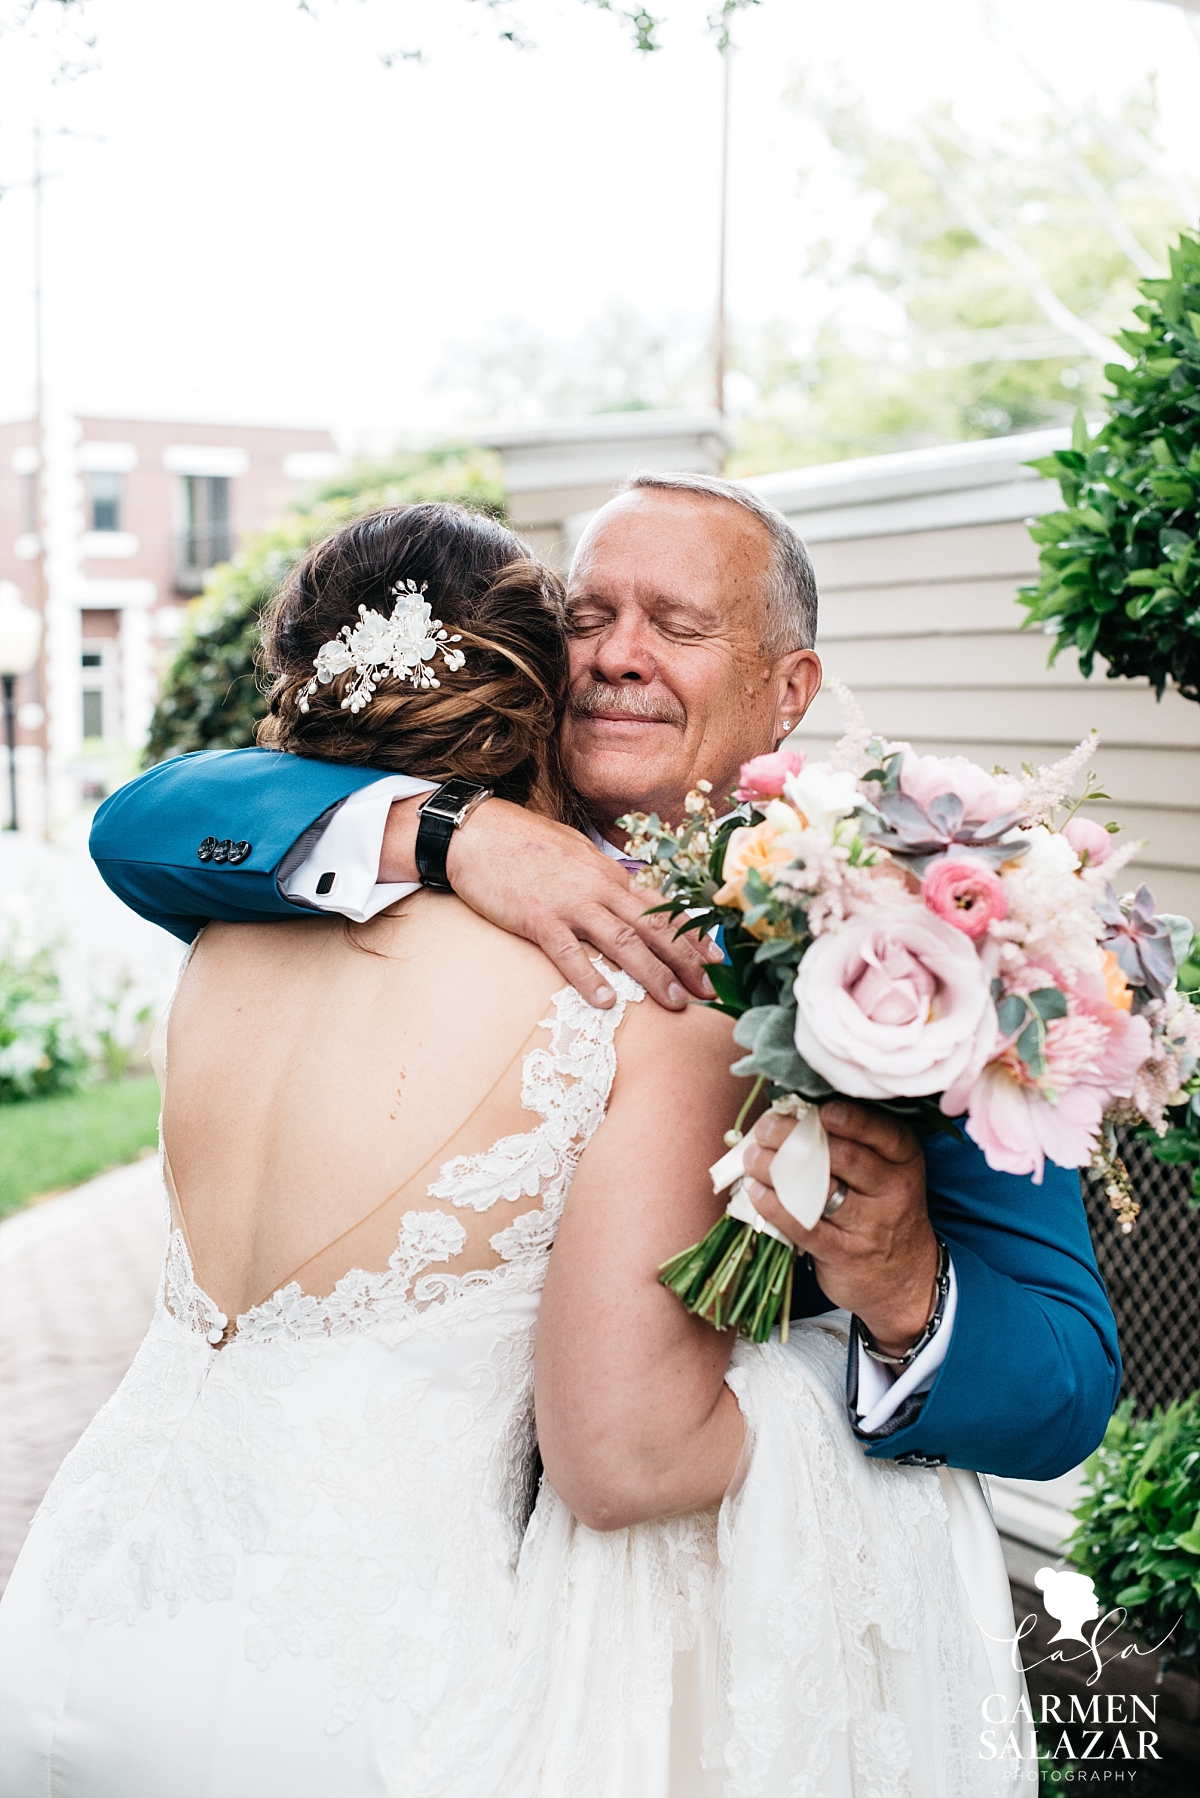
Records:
x=109, y=541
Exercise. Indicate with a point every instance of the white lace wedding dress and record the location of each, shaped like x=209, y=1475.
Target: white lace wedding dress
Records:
x=299, y=1567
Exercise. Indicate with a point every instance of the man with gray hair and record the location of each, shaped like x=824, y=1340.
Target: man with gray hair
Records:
x=691, y=614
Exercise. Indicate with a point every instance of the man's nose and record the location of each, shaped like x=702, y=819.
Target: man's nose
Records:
x=623, y=652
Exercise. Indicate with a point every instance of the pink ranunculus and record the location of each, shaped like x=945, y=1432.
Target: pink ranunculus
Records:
x=984, y=796
x=763, y=777
x=894, y=1003
x=1090, y=841
x=965, y=893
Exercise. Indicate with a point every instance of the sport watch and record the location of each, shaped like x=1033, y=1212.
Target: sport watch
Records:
x=444, y=812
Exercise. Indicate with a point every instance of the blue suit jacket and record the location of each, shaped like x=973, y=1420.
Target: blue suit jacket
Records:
x=1032, y=1371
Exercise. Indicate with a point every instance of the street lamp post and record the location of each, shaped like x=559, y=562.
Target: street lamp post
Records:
x=20, y=640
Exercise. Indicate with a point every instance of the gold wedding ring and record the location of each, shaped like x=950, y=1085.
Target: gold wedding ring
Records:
x=836, y=1199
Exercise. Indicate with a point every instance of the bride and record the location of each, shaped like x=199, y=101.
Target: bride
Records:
x=303, y=1550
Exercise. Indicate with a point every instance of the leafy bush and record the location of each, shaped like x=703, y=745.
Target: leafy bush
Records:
x=39, y=1051
x=1120, y=568
x=1139, y=1524
x=212, y=698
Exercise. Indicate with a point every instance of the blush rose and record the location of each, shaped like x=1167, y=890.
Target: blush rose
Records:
x=925, y=778
x=894, y=1003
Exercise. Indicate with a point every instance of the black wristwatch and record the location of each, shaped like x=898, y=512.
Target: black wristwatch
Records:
x=441, y=815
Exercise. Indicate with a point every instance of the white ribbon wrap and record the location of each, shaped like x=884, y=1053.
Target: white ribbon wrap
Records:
x=799, y=1173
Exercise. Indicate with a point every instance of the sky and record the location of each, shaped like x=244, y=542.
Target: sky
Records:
x=252, y=218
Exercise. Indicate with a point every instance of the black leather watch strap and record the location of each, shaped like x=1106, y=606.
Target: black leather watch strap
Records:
x=434, y=836
x=439, y=817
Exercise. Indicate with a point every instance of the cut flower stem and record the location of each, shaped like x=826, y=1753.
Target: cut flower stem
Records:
x=737, y=1277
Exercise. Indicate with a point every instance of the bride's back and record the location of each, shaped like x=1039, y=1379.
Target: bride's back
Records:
x=320, y=1076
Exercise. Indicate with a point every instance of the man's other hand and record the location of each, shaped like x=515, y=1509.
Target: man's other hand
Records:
x=877, y=1255
x=541, y=880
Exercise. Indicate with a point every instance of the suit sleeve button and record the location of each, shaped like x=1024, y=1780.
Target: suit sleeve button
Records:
x=221, y=850
x=207, y=849
x=239, y=851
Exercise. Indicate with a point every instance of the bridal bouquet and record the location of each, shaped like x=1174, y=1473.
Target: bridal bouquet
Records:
x=942, y=942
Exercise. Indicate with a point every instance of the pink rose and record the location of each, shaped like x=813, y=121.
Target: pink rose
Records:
x=894, y=1003
x=984, y=796
x=1090, y=841
x=763, y=777
x=964, y=893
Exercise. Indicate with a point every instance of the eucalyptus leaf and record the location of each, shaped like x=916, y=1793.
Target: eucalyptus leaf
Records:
x=1010, y=1011
x=1048, y=1002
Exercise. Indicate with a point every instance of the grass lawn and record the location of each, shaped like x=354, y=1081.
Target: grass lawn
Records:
x=51, y=1143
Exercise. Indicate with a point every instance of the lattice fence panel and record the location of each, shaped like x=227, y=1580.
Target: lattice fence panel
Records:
x=1153, y=1279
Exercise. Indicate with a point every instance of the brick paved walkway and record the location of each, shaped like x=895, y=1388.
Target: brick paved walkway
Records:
x=78, y=1276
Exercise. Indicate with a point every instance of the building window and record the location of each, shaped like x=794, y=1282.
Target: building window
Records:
x=94, y=681
x=104, y=497
x=205, y=539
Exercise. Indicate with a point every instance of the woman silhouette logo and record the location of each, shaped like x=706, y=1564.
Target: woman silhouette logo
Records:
x=1070, y=1598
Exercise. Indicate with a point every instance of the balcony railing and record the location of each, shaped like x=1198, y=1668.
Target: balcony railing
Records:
x=196, y=551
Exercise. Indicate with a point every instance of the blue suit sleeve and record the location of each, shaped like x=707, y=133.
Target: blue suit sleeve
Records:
x=145, y=837
x=1033, y=1369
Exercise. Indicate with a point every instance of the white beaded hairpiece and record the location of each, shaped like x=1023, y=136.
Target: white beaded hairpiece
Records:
x=401, y=646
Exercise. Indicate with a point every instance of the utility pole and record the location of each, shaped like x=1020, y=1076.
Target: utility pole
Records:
x=39, y=478
x=721, y=346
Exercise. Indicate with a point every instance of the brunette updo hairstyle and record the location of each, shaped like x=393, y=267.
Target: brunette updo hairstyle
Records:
x=495, y=720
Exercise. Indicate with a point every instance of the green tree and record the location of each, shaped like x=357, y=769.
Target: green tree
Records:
x=1120, y=567
x=1006, y=263
x=213, y=696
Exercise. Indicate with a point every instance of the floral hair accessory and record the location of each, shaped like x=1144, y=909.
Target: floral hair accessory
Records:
x=401, y=646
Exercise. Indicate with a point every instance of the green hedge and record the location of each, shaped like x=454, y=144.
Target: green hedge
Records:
x=1120, y=567
x=1139, y=1525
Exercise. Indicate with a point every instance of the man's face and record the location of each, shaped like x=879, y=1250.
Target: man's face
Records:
x=668, y=681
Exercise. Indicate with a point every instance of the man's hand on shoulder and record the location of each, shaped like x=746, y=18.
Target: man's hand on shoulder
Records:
x=541, y=880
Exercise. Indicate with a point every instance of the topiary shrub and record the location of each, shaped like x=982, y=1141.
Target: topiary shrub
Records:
x=1120, y=567
x=1139, y=1525
x=212, y=697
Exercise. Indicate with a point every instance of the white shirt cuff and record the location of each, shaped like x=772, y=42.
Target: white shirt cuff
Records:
x=339, y=873
x=880, y=1392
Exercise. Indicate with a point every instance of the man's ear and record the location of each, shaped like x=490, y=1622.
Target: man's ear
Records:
x=798, y=676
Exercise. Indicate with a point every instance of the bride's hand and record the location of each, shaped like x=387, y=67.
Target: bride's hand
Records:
x=541, y=880
x=877, y=1255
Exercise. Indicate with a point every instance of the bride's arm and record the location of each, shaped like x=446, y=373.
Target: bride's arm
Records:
x=634, y=1418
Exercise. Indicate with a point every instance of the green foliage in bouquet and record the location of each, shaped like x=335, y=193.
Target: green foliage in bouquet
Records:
x=1180, y=1147
x=1139, y=1525
x=1120, y=567
x=212, y=697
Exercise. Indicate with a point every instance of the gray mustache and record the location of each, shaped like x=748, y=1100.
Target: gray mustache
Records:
x=634, y=702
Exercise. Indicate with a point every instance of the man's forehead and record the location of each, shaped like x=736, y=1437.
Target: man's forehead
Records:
x=670, y=544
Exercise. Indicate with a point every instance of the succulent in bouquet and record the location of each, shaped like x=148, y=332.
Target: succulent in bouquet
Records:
x=939, y=941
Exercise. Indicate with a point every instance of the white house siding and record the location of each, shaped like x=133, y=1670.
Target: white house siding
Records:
x=919, y=616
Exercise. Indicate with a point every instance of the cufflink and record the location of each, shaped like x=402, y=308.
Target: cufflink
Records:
x=325, y=884
x=914, y=1459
